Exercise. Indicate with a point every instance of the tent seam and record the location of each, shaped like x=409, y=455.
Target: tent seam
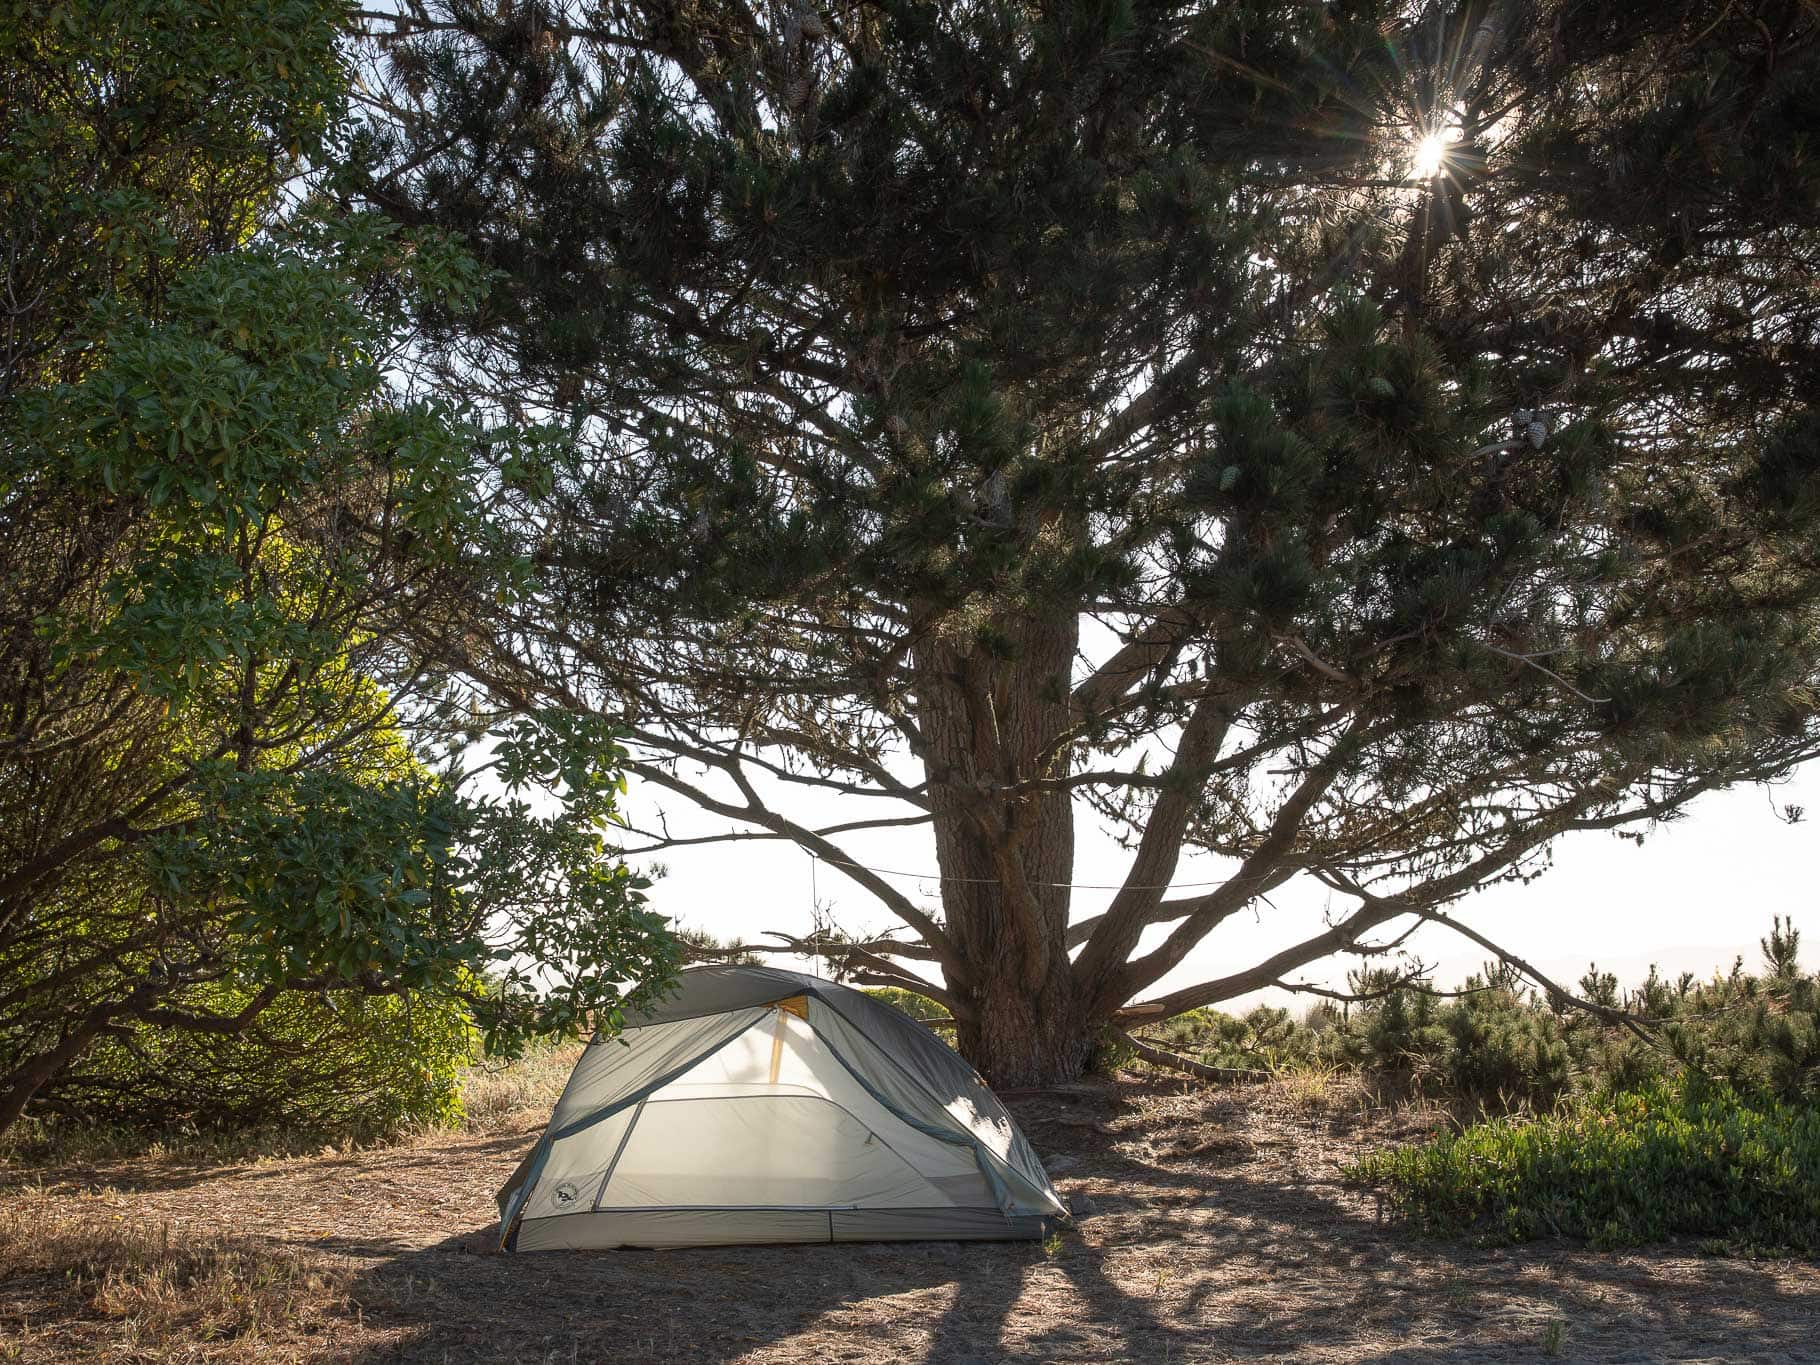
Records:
x=618, y=1152
x=983, y=1156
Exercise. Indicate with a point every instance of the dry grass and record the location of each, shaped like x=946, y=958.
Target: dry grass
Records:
x=90, y=1278
x=1316, y=1089
x=1218, y=1229
x=499, y=1098
x=36, y=1144
x=97, y=1273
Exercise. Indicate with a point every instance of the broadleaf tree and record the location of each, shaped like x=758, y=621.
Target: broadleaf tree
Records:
x=223, y=774
x=1363, y=440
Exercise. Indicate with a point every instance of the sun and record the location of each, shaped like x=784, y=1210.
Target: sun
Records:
x=1430, y=148
x=1426, y=158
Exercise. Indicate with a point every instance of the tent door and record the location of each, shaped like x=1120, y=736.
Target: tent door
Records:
x=759, y=1151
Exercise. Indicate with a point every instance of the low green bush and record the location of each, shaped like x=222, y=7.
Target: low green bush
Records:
x=362, y=1067
x=1498, y=1047
x=1689, y=1159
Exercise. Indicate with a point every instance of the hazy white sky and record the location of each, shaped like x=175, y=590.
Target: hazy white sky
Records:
x=1697, y=892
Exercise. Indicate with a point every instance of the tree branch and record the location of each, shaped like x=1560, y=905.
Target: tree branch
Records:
x=203, y=1022
x=1636, y=1024
x=662, y=842
x=1159, y=849
x=756, y=813
x=1134, y=660
x=1156, y=1056
x=1265, y=866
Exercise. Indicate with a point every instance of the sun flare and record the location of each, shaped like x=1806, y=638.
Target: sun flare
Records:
x=1428, y=153
x=1431, y=140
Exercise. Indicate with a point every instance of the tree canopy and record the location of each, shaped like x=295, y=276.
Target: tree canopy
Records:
x=1364, y=440
x=223, y=776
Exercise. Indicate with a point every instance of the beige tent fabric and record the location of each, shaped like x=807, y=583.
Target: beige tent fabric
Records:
x=611, y=1075
x=804, y=1067
x=755, y=1106
x=969, y=1113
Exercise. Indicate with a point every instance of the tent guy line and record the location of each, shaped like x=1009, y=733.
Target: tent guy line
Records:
x=994, y=881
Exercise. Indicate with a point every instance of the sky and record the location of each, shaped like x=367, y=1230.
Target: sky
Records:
x=1696, y=893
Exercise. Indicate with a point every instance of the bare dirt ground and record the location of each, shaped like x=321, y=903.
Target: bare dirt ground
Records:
x=1220, y=1230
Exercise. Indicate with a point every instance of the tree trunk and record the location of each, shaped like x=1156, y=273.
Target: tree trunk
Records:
x=1018, y=1038
x=25, y=1080
x=30, y=1076
x=989, y=722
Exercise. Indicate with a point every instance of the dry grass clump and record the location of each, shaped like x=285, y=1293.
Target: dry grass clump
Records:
x=495, y=1098
x=1218, y=1126
x=1317, y=1090
x=85, y=1279
x=33, y=1142
x=1303, y=1090
x=1335, y=1100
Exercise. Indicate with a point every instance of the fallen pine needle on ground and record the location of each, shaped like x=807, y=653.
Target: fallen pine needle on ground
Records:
x=1215, y=1226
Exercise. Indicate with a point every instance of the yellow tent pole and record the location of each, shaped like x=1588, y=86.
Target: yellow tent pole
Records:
x=777, y=1044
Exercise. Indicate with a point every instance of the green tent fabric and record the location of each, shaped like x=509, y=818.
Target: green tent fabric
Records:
x=759, y=1105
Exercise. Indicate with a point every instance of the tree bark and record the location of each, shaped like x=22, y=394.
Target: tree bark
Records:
x=29, y=1078
x=1023, y=1039
x=1005, y=845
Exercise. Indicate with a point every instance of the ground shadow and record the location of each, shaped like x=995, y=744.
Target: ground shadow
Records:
x=1282, y=1294
x=460, y=1301
x=1219, y=1231
x=149, y=1174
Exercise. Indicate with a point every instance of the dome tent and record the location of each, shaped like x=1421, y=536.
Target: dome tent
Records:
x=758, y=1105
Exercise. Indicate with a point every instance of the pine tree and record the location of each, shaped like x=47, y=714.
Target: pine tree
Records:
x=1366, y=440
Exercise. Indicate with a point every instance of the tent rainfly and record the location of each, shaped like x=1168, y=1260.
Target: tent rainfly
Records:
x=757, y=1105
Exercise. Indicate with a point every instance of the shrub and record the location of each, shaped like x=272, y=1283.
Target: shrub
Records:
x=363, y=1067
x=1503, y=1048
x=1759, y=1034
x=1683, y=1160
x=1498, y=1047
x=1503, y=1052
x=1263, y=1039
x=1396, y=1035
